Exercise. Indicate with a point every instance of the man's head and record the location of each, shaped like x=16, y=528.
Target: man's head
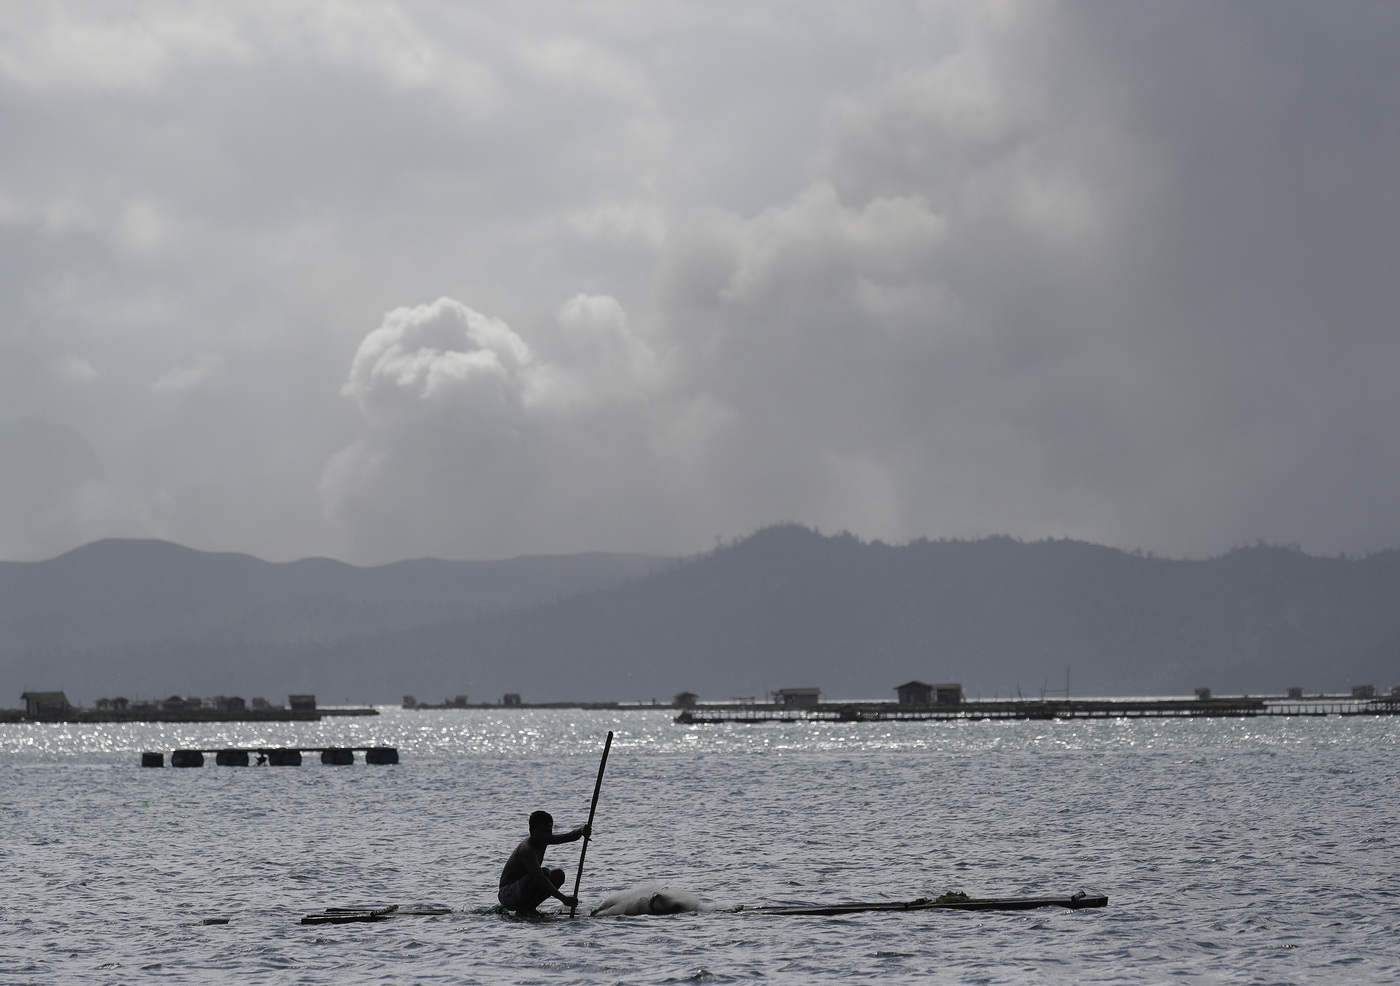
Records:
x=541, y=822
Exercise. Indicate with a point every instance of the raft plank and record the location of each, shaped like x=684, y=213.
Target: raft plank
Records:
x=354, y=915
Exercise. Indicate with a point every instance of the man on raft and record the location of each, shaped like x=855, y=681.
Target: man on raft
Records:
x=525, y=883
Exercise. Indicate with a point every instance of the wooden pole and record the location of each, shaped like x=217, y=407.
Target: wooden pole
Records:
x=598, y=786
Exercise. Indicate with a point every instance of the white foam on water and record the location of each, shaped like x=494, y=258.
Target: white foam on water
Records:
x=648, y=898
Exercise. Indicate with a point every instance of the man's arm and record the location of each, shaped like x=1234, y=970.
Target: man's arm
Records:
x=573, y=836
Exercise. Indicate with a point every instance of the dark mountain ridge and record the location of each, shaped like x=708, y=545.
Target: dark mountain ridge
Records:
x=151, y=617
x=789, y=607
x=784, y=607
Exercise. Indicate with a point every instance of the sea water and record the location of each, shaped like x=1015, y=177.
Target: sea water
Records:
x=1231, y=850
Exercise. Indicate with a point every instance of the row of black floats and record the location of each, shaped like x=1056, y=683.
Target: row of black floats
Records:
x=279, y=757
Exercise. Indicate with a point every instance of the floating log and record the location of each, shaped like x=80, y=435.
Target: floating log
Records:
x=338, y=756
x=187, y=758
x=1076, y=902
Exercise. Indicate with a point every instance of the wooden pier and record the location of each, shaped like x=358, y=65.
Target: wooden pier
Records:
x=1106, y=708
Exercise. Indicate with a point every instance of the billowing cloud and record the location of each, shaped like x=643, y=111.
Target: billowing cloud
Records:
x=437, y=354
x=465, y=426
x=953, y=268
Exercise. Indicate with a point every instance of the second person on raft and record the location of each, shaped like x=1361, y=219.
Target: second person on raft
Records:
x=525, y=883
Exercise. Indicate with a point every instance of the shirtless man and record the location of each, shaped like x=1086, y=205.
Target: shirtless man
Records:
x=525, y=883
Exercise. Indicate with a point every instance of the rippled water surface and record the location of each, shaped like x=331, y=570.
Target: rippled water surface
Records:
x=1231, y=850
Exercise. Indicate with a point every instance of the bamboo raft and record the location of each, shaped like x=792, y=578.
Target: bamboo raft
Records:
x=951, y=902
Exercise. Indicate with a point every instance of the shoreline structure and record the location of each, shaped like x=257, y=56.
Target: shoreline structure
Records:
x=803, y=705
x=789, y=705
x=55, y=707
x=1060, y=708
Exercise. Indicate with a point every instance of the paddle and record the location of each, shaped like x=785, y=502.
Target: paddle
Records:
x=598, y=786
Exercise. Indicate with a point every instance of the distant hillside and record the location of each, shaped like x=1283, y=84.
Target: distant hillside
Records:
x=785, y=607
x=789, y=607
x=151, y=618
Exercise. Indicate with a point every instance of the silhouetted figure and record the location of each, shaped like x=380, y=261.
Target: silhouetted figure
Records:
x=525, y=883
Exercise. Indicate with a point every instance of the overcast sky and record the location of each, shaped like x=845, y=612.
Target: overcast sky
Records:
x=469, y=280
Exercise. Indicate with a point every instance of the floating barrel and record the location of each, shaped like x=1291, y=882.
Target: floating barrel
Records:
x=382, y=754
x=284, y=758
x=187, y=758
x=231, y=758
x=339, y=757
x=153, y=759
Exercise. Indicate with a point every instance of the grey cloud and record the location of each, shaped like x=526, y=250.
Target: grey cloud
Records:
x=1079, y=369
x=51, y=483
x=208, y=370
x=1081, y=269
